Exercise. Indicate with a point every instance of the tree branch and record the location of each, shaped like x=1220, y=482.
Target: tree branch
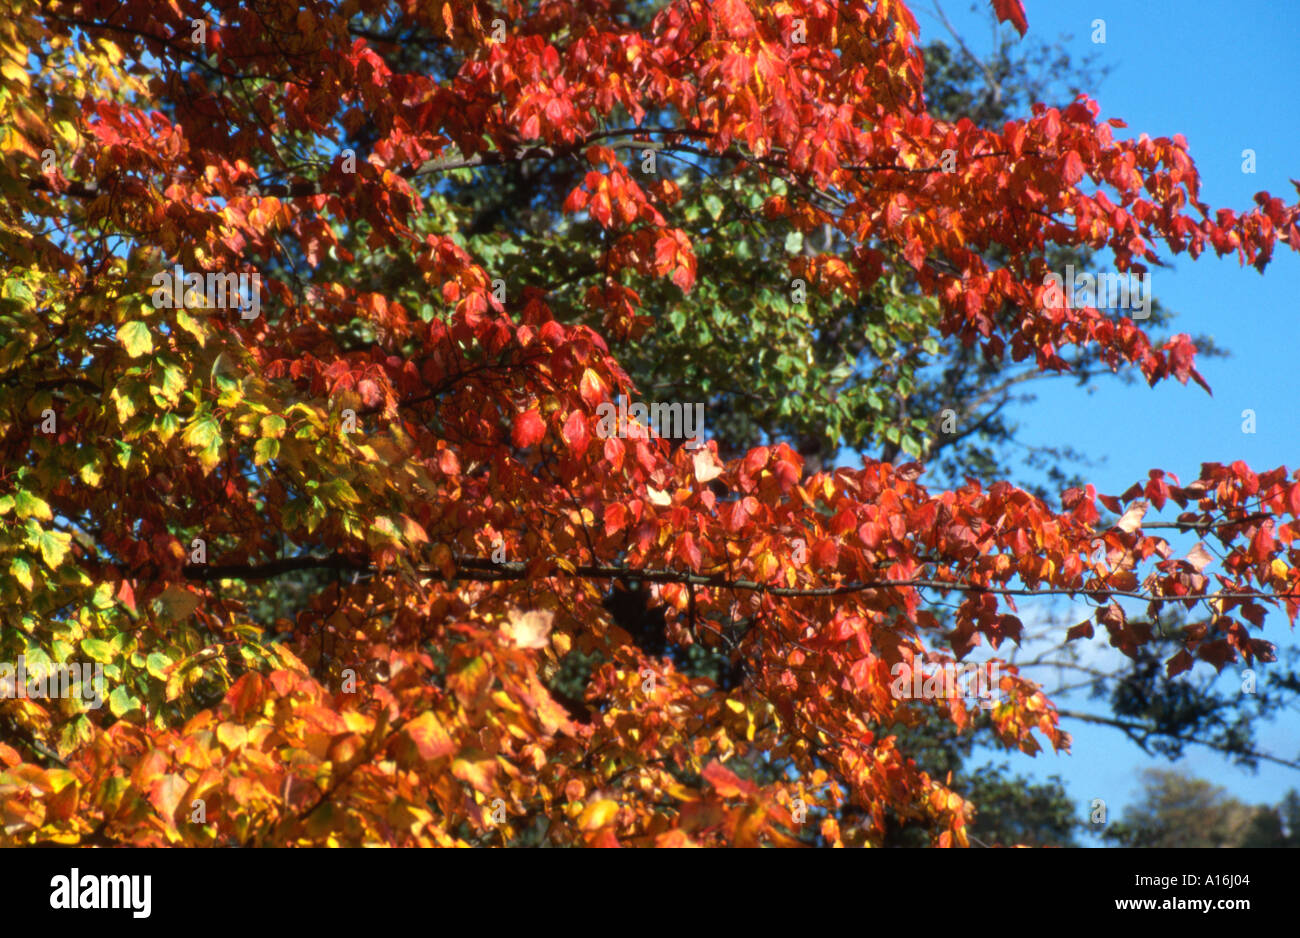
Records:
x=1131, y=728
x=485, y=570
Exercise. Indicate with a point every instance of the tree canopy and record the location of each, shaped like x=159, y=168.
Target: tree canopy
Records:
x=311, y=322
x=1177, y=810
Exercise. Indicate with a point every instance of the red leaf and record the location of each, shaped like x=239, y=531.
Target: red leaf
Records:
x=575, y=433
x=825, y=553
x=1262, y=544
x=726, y=782
x=740, y=514
x=591, y=389
x=688, y=551
x=528, y=429
x=126, y=593
x=1179, y=663
x=1072, y=169
x=576, y=201
x=1013, y=12
x=615, y=518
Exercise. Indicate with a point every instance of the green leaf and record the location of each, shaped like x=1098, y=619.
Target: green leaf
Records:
x=28, y=506
x=21, y=572
x=90, y=471
x=173, y=383
x=166, y=426
x=97, y=649
x=103, y=598
x=264, y=450
x=120, y=702
x=205, y=436
x=135, y=337
x=53, y=546
x=338, y=490
x=17, y=290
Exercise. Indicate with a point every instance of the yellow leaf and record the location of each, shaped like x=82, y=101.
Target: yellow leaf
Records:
x=598, y=814
x=191, y=325
x=135, y=338
x=15, y=72
x=32, y=506
x=54, y=544
x=67, y=132
x=478, y=773
x=21, y=572
x=765, y=565
x=232, y=736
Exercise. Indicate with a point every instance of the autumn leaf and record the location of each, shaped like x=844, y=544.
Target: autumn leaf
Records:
x=135, y=338
x=430, y=737
x=598, y=814
x=530, y=629
x=707, y=467
x=1013, y=12
x=1199, y=557
x=528, y=429
x=1132, y=518
x=343, y=590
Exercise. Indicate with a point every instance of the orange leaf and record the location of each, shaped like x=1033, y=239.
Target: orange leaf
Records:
x=430, y=738
x=727, y=783
x=598, y=814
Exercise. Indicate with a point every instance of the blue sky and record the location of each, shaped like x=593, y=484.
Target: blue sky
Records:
x=1225, y=76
